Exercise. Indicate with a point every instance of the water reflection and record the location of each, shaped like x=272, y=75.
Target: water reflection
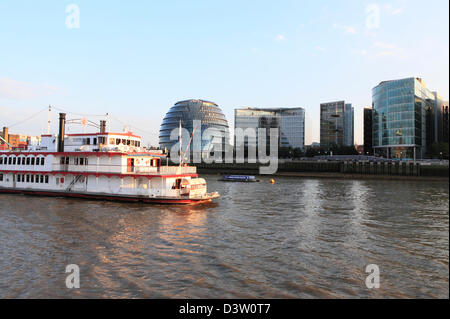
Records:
x=297, y=238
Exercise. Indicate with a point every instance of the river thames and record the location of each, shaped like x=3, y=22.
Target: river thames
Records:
x=298, y=238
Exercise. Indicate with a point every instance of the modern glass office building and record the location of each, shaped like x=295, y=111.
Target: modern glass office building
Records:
x=406, y=118
x=290, y=123
x=336, y=124
x=211, y=117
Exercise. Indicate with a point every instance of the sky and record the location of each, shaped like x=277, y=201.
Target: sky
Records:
x=135, y=59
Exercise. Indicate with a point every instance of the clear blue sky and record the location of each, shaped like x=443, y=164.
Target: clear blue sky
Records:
x=135, y=59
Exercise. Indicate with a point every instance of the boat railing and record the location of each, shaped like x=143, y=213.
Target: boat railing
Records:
x=175, y=170
x=124, y=169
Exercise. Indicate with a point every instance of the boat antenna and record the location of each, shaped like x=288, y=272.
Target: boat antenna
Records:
x=190, y=140
x=49, y=119
x=180, y=138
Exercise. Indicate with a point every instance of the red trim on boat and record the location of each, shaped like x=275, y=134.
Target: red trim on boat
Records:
x=98, y=154
x=97, y=174
x=105, y=197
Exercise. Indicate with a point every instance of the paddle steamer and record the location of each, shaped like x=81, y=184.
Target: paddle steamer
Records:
x=101, y=165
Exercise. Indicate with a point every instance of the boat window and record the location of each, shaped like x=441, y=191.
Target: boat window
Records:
x=9, y=160
x=1, y=160
x=81, y=161
x=32, y=161
x=111, y=141
x=67, y=160
x=95, y=141
x=37, y=179
x=46, y=179
x=28, y=161
x=75, y=160
x=1, y=177
x=63, y=160
x=41, y=179
x=32, y=178
x=124, y=142
x=117, y=141
x=42, y=160
x=28, y=178
x=14, y=161
x=57, y=181
x=88, y=141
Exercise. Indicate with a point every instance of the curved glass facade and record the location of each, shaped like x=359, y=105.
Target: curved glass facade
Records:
x=208, y=113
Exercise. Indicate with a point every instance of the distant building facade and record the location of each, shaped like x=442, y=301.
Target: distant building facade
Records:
x=17, y=141
x=290, y=123
x=368, y=148
x=336, y=124
x=407, y=118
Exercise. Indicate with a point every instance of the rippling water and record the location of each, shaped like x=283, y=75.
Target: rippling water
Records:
x=299, y=238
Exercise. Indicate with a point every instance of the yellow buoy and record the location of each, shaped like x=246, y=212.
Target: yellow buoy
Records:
x=272, y=181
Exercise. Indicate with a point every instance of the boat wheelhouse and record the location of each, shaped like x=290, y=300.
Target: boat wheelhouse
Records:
x=103, y=165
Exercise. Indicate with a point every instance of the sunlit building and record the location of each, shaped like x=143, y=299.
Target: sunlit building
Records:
x=186, y=112
x=407, y=118
x=290, y=123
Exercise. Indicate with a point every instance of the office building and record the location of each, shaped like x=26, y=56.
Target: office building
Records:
x=336, y=124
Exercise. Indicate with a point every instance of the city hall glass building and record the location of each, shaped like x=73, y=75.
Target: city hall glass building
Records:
x=290, y=123
x=407, y=118
x=336, y=124
x=211, y=117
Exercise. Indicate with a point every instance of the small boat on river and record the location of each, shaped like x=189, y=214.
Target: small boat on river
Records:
x=239, y=179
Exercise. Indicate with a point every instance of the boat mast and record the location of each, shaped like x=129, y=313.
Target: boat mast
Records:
x=49, y=119
x=180, y=138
